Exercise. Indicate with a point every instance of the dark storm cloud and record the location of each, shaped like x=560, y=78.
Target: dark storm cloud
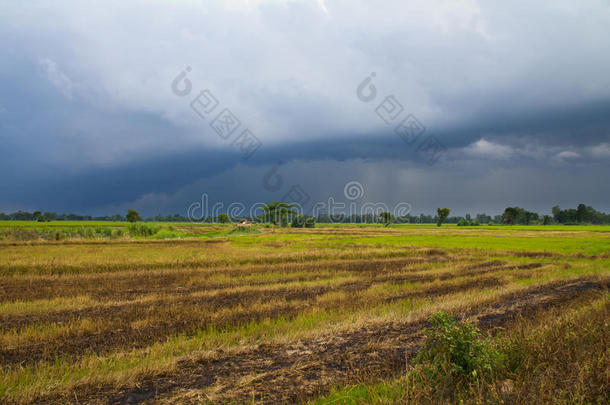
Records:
x=512, y=89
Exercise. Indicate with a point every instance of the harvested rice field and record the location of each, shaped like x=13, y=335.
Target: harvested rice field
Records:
x=334, y=314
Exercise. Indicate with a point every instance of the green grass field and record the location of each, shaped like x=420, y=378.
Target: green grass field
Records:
x=98, y=312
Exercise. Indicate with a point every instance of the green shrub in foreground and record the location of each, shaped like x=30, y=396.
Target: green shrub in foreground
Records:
x=454, y=357
x=551, y=359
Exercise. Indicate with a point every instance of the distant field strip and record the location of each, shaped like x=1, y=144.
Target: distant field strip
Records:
x=280, y=316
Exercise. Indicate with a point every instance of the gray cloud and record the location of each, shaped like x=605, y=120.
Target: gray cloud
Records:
x=516, y=89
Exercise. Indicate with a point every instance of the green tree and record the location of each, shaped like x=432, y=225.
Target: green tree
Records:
x=386, y=218
x=132, y=216
x=518, y=216
x=483, y=218
x=514, y=216
x=49, y=216
x=556, y=212
x=442, y=214
x=530, y=217
x=278, y=212
x=224, y=218
x=581, y=213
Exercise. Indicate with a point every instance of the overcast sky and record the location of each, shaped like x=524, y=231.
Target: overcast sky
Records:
x=507, y=103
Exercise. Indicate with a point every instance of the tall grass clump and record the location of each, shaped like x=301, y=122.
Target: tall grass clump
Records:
x=59, y=233
x=143, y=229
x=566, y=361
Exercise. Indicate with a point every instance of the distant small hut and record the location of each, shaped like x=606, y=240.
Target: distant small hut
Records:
x=244, y=223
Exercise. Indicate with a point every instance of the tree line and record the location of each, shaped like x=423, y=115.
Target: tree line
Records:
x=281, y=213
x=53, y=216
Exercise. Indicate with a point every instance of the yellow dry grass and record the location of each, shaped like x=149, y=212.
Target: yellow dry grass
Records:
x=98, y=318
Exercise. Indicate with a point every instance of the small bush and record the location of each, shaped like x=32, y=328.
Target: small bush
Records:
x=224, y=218
x=303, y=221
x=466, y=222
x=454, y=358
